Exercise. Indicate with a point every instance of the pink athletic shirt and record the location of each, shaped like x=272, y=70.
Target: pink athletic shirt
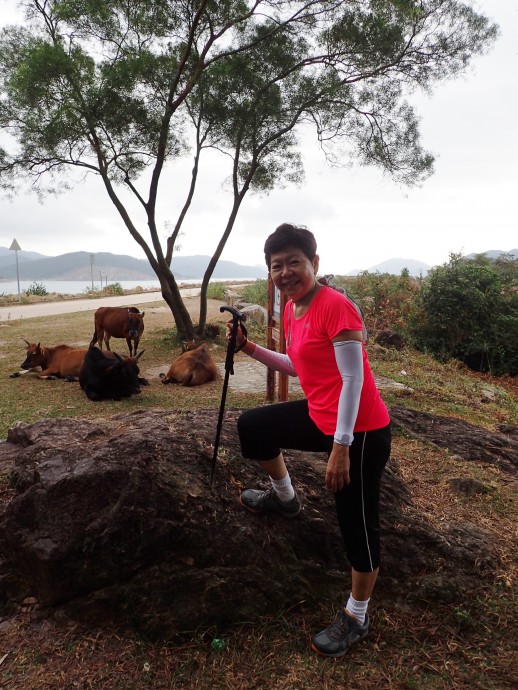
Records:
x=309, y=346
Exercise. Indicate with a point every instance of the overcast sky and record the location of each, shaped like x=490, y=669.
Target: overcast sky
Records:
x=359, y=217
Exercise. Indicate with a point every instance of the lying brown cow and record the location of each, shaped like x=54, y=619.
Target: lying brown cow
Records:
x=118, y=322
x=62, y=361
x=192, y=368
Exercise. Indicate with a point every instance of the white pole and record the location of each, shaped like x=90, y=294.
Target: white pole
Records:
x=16, y=248
x=17, y=274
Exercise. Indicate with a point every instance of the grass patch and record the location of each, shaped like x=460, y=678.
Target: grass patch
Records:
x=449, y=389
x=256, y=293
x=471, y=645
x=28, y=399
x=216, y=291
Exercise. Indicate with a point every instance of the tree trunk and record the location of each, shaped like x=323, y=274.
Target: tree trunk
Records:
x=173, y=298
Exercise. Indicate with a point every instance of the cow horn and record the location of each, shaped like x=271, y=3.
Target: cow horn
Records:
x=117, y=356
x=139, y=355
x=28, y=343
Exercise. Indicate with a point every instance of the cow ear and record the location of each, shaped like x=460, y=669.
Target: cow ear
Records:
x=143, y=313
x=139, y=355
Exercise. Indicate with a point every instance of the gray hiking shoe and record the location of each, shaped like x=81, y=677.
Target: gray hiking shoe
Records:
x=257, y=501
x=336, y=640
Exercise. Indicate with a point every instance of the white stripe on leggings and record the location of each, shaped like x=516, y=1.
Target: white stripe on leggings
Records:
x=363, y=501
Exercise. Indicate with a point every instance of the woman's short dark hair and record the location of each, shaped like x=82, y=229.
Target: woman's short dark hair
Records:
x=287, y=235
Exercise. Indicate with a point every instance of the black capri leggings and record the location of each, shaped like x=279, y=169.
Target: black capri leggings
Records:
x=264, y=431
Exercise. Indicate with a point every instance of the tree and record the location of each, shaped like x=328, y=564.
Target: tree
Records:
x=468, y=309
x=122, y=89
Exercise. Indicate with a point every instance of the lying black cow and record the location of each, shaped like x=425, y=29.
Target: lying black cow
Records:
x=108, y=376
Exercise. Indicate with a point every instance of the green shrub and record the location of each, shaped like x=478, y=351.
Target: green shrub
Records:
x=114, y=289
x=256, y=293
x=468, y=310
x=37, y=289
x=92, y=291
x=216, y=291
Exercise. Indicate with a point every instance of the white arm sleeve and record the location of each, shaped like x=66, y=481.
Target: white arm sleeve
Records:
x=349, y=359
x=274, y=360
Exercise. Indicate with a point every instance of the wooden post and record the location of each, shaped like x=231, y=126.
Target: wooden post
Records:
x=283, y=378
x=276, y=342
x=270, y=340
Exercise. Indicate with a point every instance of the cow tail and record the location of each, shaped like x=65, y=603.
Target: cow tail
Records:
x=94, y=339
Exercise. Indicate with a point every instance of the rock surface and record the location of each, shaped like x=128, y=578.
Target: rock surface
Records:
x=463, y=439
x=116, y=520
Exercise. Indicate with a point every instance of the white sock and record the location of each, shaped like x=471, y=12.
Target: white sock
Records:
x=283, y=488
x=357, y=609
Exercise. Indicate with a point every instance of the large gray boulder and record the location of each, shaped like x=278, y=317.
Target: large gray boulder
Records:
x=116, y=520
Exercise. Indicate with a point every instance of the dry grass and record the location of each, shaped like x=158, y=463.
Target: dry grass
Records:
x=26, y=399
x=471, y=645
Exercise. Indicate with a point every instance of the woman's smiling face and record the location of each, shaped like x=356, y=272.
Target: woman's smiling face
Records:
x=293, y=273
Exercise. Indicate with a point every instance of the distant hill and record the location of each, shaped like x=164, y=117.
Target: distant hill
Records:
x=395, y=266
x=495, y=253
x=115, y=267
x=7, y=256
x=418, y=268
x=194, y=267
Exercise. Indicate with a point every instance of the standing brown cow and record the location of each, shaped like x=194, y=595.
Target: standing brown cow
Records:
x=192, y=368
x=119, y=322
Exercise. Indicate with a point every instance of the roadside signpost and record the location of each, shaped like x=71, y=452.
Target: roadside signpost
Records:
x=16, y=248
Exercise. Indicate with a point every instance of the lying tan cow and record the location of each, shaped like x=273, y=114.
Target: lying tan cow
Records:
x=192, y=368
x=61, y=361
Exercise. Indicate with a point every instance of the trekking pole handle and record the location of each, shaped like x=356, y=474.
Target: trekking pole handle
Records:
x=237, y=319
x=235, y=313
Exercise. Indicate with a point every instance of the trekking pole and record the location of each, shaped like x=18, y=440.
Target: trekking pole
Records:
x=237, y=320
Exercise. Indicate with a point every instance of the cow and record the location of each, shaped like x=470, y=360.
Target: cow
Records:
x=106, y=376
x=132, y=361
x=118, y=322
x=192, y=368
x=61, y=361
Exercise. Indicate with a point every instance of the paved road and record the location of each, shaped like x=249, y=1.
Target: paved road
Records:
x=15, y=311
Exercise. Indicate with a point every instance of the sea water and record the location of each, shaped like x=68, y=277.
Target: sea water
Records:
x=78, y=287
x=70, y=287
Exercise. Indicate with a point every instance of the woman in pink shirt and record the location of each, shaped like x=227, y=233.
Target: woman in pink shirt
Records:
x=343, y=415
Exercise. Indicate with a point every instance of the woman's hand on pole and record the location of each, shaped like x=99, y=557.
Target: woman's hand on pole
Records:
x=240, y=338
x=337, y=471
